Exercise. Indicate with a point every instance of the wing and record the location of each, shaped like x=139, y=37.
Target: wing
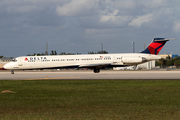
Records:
x=95, y=65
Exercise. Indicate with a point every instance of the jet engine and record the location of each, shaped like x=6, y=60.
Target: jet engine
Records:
x=133, y=60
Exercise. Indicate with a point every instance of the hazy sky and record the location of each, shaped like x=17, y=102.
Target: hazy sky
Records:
x=80, y=26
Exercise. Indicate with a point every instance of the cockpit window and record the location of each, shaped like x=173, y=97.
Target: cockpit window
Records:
x=14, y=60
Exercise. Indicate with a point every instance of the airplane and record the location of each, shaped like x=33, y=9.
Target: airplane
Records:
x=94, y=61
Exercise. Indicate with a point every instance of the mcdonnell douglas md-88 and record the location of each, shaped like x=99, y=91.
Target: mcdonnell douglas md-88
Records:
x=95, y=61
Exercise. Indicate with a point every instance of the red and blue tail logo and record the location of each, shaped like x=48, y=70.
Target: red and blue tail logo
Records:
x=156, y=46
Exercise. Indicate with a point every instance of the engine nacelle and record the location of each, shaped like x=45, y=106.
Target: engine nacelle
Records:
x=132, y=60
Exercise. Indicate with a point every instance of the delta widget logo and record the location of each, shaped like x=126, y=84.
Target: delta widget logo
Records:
x=26, y=59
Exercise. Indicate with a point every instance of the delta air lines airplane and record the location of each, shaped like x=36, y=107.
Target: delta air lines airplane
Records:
x=94, y=61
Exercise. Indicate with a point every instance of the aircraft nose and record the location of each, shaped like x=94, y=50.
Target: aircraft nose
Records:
x=7, y=66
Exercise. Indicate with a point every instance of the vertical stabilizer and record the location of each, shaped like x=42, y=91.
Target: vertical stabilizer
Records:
x=156, y=45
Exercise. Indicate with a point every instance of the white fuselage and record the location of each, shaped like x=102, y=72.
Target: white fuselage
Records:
x=94, y=60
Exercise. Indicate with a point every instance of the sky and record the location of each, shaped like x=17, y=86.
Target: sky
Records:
x=81, y=26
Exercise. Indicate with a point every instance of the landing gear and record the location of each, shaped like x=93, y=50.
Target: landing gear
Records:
x=12, y=71
x=96, y=70
x=135, y=67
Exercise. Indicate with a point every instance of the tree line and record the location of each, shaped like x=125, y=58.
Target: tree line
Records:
x=164, y=63
x=99, y=52
x=53, y=52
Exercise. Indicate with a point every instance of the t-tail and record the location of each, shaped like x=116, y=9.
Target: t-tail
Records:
x=156, y=45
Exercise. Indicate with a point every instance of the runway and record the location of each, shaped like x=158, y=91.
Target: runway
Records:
x=89, y=75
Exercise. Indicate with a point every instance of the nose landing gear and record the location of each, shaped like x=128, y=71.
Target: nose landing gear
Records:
x=12, y=71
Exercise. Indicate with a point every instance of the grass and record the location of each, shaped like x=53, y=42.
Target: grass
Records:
x=90, y=99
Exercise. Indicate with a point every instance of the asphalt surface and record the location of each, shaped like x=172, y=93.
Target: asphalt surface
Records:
x=88, y=75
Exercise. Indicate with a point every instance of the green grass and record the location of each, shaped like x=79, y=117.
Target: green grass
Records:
x=90, y=99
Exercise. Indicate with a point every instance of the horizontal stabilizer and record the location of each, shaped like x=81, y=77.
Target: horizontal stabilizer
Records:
x=163, y=39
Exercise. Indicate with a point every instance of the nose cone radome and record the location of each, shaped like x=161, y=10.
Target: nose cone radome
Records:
x=7, y=66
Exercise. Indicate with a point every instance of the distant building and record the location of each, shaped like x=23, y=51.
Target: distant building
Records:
x=147, y=65
x=5, y=59
x=175, y=55
x=170, y=55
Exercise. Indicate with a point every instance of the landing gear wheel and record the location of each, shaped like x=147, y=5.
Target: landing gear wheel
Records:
x=96, y=70
x=12, y=71
x=135, y=67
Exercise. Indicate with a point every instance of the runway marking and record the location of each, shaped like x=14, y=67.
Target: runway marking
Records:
x=51, y=78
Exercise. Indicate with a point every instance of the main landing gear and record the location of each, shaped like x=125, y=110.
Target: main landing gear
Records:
x=135, y=67
x=96, y=70
x=12, y=71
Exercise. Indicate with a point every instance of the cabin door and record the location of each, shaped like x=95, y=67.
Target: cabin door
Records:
x=20, y=62
x=115, y=60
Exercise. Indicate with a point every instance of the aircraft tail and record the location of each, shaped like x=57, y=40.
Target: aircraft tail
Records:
x=156, y=45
